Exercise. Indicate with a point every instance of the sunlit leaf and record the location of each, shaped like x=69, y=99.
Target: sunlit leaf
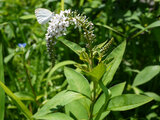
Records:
x=146, y=75
x=77, y=82
x=8, y=58
x=78, y=109
x=127, y=102
x=24, y=96
x=60, y=99
x=107, y=94
x=115, y=91
x=55, y=116
x=153, y=95
x=97, y=72
x=26, y=17
x=153, y=25
x=61, y=64
x=73, y=46
x=117, y=54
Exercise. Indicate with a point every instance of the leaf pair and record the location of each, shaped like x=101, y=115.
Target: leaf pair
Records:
x=78, y=90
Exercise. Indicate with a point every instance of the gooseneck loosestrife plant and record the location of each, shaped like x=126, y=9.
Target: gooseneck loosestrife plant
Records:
x=88, y=95
x=87, y=98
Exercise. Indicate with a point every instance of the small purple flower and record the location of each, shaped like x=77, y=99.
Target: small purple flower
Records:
x=22, y=45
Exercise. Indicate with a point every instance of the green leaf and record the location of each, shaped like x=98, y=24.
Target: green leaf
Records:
x=2, y=95
x=81, y=3
x=115, y=91
x=73, y=46
x=153, y=95
x=8, y=58
x=152, y=25
x=146, y=75
x=55, y=116
x=18, y=102
x=61, y=64
x=105, y=90
x=77, y=82
x=127, y=102
x=3, y=24
x=136, y=90
x=112, y=29
x=103, y=115
x=24, y=96
x=49, y=77
x=60, y=99
x=78, y=109
x=117, y=54
x=97, y=72
x=107, y=97
x=84, y=57
x=26, y=17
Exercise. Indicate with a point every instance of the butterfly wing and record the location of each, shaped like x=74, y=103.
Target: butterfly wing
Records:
x=43, y=15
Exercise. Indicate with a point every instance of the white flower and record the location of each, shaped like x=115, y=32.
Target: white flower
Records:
x=58, y=24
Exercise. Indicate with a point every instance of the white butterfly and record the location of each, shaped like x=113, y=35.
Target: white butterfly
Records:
x=43, y=15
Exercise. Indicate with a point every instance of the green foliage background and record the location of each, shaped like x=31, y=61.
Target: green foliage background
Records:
x=134, y=20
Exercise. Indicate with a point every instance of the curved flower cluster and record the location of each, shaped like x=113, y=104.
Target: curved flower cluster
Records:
x=60, y=22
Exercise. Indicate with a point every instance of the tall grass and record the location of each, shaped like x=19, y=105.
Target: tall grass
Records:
x=2, y=95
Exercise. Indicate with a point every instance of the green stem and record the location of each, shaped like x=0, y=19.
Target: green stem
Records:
x=62, y=5
x=90, y=45
x=93, y=101
x=107, y=97
x=29, y=80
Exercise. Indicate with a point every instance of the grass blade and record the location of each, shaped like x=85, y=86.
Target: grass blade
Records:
x=18, y=102
x=2, y=95
x=110, y=28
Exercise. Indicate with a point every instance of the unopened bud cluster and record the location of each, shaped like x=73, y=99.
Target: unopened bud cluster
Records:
x=81, y=21
x=106, y=46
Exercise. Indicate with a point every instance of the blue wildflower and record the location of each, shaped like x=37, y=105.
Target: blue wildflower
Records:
x=22, y=45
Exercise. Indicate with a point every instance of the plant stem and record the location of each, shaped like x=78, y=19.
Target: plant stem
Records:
x=94, y=86
x=62, y=5
x=93, y=101
x=29, y=80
